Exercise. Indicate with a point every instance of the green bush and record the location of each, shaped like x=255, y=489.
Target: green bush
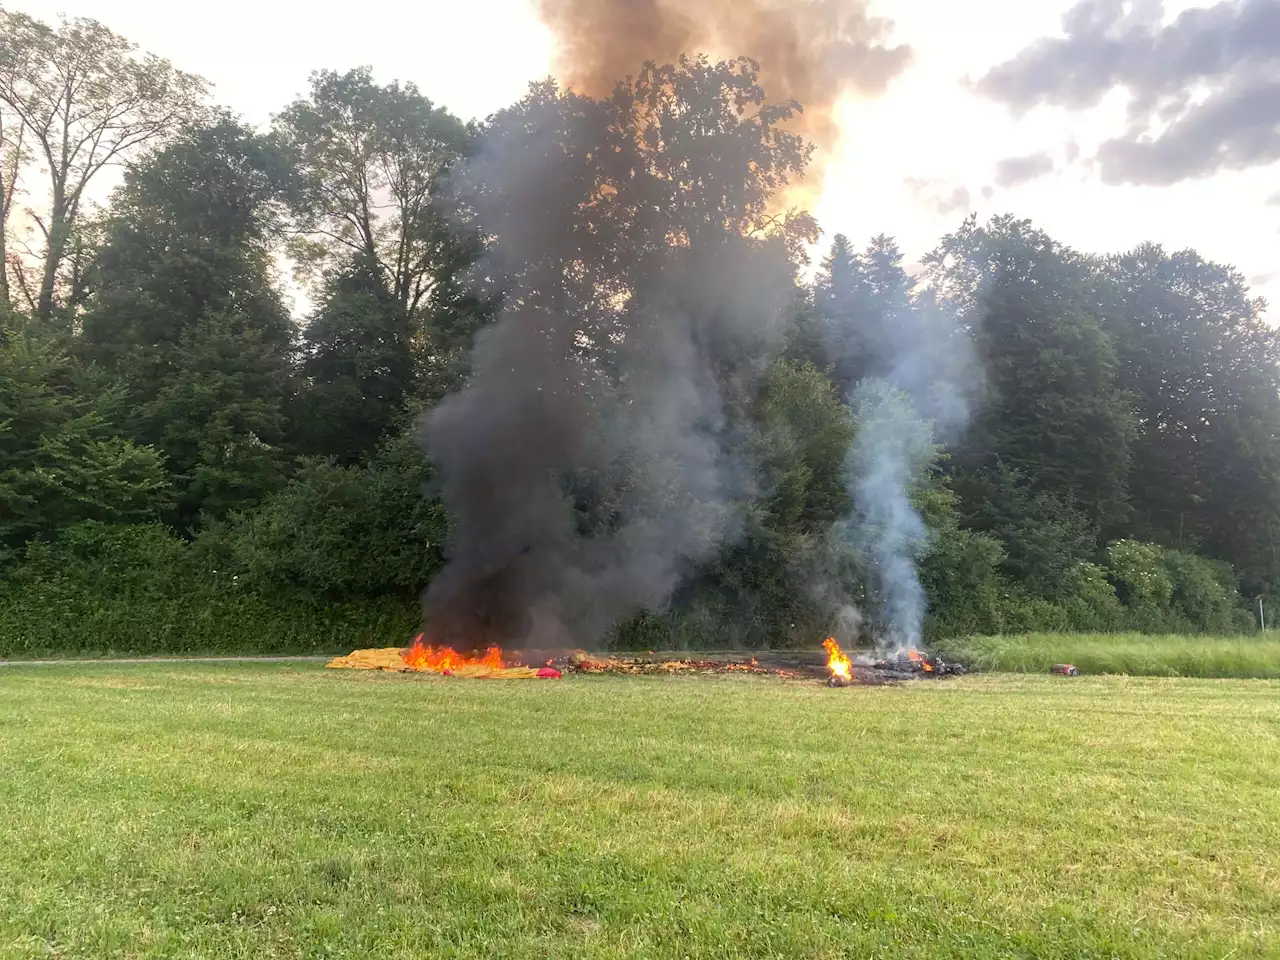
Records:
x=138, y=589
x=1142, y=582
x=341, y=533
x=1043, y=536
x=961, y=576
x=1204, y=593
x=1167, y=590
x=1093, y=597
x=1023, y=612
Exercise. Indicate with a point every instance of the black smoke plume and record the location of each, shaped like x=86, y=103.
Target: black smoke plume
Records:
x=597, y=450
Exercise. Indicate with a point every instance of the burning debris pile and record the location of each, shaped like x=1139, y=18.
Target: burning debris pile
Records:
x=444, y=661
x=845, y=671
x=918, y=664
x=839, y=670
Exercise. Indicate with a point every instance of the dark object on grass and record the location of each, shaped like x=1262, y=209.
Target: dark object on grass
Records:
x=916, y=664
x=1065, y=670
x=837, y=682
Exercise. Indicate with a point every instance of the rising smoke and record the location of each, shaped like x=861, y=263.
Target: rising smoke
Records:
x=597, y=452
x=918, y=378
x=812, y=52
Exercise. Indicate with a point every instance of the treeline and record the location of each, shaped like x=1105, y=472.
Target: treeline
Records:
x=186, y=466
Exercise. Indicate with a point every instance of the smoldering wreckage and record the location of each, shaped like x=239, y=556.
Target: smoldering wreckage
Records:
x=835, y=667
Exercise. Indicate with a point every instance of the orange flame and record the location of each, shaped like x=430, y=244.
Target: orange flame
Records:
x=920, y=658
x=839, y=664
x=445, y=659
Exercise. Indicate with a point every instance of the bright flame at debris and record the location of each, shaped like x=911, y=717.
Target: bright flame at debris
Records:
x=839, y=664
x=423, y=657
x=921, y=659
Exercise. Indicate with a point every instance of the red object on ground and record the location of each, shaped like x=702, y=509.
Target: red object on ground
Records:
x=548, y=673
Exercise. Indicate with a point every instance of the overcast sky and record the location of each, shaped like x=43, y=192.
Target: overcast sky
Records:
x=1106, y=122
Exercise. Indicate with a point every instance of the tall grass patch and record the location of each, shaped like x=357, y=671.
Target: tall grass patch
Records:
x=1180, y=655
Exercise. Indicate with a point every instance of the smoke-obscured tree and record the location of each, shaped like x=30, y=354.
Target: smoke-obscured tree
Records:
x=462, y=302
x=1204, y=370
x=841, y=304
x=1054, y=408
x=62, y=459
x=85, y=99
x=645, y=289
x=184, y=311
x=368, y=161
x=357, y=366
x=873, y=322
x=760, y=585
x=890, y=466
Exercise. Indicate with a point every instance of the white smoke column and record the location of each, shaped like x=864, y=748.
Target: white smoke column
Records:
x=920, y=373
x=890, y=454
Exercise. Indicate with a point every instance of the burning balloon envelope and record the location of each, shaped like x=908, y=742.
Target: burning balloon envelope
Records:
x=445, y=661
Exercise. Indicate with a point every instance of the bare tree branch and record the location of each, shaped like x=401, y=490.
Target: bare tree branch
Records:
x=367, y=160
x=87, y=99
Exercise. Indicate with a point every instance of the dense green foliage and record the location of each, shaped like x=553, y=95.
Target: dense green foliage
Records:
x=1093, y=443
x=106, y=589
x=62, y=459
x=281, y=810
x=184, y=312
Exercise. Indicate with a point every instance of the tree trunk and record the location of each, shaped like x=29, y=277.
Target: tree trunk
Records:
x=6, y=204
x=5, y=302
x=53, y=254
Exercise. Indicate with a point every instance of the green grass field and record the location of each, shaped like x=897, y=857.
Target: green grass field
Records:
x=1135, y=654
x=284, y=811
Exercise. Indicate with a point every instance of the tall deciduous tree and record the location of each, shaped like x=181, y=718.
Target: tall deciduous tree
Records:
x=1054, y=409
x=184, y=310
x=368, y=160
x=85, y=99
x=1204, y=369
x=12, y=155
x=357, y=364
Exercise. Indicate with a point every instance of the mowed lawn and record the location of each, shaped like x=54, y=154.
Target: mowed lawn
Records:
x=284, y=811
